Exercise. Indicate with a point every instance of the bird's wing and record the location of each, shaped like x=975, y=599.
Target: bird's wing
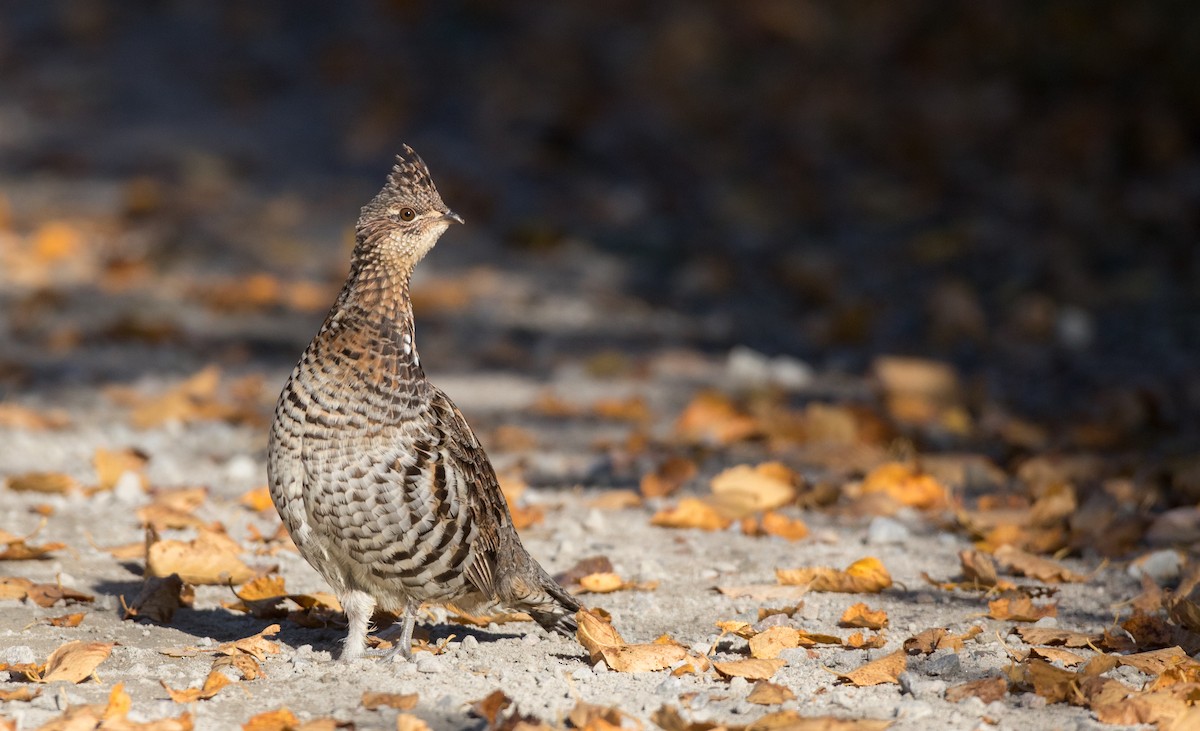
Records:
x=413, y=499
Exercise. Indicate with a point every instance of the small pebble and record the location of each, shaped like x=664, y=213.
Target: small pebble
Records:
x=944, y=664
x=428, y=663
x=19, y=654
x=1048, y=622
x=884, y=530
x=913, y=709
x=530, y=639
x=129, y=488
x=738, y=685
x=1162, y=566
x=470, y=644
x=583, y=673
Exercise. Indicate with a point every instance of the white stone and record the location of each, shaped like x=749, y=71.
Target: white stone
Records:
x=884, y=530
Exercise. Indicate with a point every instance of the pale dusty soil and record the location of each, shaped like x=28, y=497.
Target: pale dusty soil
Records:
x=545, y=675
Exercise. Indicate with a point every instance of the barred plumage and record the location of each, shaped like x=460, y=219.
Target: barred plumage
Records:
x=382, y=484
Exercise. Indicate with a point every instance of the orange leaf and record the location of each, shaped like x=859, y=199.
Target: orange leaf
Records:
x=75, y=661
x=668, y=477
x=1020, y=609
x=905, y=485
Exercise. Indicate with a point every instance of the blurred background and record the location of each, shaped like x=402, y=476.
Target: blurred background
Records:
x=1011, y=187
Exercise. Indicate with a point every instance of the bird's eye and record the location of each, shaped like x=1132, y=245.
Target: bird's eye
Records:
x=407, y=214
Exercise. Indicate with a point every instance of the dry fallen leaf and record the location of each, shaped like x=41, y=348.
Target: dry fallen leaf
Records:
x=111, y=465
x=744, y=489
x=905, y=485
x=711, y=419
x=767, y=645
x=1020, y=609
x=1023, y=563
x=210, y=558
x=18, y=548
x=47, y=482
x=766, y=693
x=73, y=662
x=13, y=416
x=886, y=669
x=160, y=597
x=987, y=690
x=213, y=684
x=280, y=719
x=257, y=646
x=938, y=638
x=764, y=592
x=602, y=641
x=859, y=615
x=258, y=499
x=24, y=693
x=750, y=669
x=864, y=576
x=409, y=722
x=668, y=477
x=399, y=701
x=66, y=620
x=691, y=513
x=607, y=582
x=1053, y=654
x=791, y=529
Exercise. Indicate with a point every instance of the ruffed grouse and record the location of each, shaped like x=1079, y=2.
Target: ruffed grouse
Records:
x=380, y=481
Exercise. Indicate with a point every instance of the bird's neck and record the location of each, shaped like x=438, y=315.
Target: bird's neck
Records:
x=374, y=305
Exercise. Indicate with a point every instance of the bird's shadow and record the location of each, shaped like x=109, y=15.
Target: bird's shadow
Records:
x=220, y=624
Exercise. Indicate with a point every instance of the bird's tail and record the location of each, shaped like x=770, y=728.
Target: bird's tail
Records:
x=530, y=589
x=557, y=615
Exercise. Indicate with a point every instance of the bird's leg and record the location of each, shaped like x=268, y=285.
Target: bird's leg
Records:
x=403, y=646
x=358, y=606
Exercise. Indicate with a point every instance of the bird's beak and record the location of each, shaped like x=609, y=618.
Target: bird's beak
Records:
x=452, y=216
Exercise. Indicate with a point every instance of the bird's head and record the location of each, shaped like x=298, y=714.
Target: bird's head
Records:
x=403, y=222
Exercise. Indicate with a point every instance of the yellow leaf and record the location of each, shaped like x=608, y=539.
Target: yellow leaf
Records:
x=859, y=615
x=48, y=482
x=119, y=703
x=112, y=464
x=766, y=693
x=595, y=634
x=712, y=419
x=209, y=559
x=257, y=645
x=905, y=485
x=409, y=722
x=213, y=684
x=642, y=658
x=767, y=645
x=691, y=513
x=601, y=583
x=281, y=719
x=867, y=575
x=258, y=499
x=744, y=489
x=668, y=477
x=775, y=524
x=399, y=701
x=750, y=669
x=1020, y=609
x=75, y=661
x=886, y=669
x=1035, y=567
